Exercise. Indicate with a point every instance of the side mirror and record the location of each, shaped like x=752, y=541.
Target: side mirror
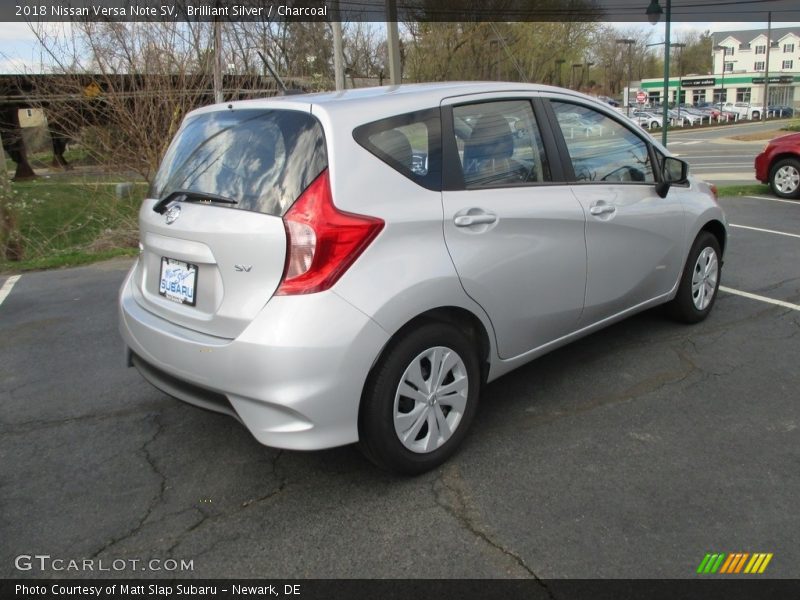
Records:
x=674, y=170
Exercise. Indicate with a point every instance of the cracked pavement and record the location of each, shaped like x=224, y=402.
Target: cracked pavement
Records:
x=630, y=453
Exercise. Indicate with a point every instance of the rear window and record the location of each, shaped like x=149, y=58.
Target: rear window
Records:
x=263, y=159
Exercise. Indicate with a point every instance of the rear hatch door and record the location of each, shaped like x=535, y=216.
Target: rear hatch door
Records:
x=212, y=234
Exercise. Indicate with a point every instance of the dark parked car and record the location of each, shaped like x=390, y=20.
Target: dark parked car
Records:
x=779, y=165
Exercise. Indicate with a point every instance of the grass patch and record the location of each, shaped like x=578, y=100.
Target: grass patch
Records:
x=750, y=189
x=63, y=223
x=793, y=125
x=758, y=136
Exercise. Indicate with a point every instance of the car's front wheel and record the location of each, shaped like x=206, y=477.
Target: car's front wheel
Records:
x=420, y=399
x=784, y=178
x=699, y=282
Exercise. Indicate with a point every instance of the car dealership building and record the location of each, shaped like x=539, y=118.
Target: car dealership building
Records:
x=740, y=71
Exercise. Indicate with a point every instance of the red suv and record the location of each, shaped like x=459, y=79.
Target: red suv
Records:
x=779, y=165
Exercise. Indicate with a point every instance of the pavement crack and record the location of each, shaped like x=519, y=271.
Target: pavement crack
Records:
x=209, y=517
x=449, y=494
x=24, y=427
x=157, y=498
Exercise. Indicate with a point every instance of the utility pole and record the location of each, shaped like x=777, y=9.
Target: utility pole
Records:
x=627, y=95
x=766, y=68
x=338, y=57
x=393, y=42
x=217, y=61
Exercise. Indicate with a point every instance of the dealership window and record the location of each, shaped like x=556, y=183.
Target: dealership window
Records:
x=787, y=64
x=743, y=94
x=788, y=47
x=655, y=97
x=698, y=96
x=728, y=67
x=719, y=95
x=761, y=50
x=759, y=65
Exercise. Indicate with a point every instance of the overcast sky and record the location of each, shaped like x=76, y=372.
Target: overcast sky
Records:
x=19, y=51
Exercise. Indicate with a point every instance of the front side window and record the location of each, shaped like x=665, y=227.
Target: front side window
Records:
x=499, y=144
x=602, y=149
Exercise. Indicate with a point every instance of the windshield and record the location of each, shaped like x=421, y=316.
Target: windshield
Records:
x=262, y=159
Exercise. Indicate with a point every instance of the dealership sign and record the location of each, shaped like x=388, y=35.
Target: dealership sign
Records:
x=705, y=82
x=775, y=79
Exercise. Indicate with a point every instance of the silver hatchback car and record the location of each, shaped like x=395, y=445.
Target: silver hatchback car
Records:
x=353, y=267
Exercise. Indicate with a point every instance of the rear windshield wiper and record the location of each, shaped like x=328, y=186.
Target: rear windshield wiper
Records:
x=190, y=196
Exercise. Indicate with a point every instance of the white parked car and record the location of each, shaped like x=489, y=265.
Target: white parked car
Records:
x=355, y=266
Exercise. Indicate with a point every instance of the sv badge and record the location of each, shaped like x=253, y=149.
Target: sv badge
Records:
x=243, y=268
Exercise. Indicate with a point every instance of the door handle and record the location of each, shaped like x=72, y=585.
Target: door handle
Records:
x=468, y=220
x=602, y=209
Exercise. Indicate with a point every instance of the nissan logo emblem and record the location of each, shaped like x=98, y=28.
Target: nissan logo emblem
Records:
x=172, y=214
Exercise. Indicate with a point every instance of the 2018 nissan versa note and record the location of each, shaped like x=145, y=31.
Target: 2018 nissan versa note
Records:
x=353, y=267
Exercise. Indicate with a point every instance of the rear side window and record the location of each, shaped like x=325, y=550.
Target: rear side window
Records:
x=499, y=144
x=263, y=159
x=409, y=143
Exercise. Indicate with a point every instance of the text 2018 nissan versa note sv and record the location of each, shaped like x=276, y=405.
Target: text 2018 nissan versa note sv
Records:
x=353, y=267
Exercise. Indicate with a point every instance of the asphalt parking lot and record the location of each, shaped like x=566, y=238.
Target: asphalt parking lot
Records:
x=631, y=453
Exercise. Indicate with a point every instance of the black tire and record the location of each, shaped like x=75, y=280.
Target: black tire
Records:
x=785, y=166
x=379, y=440
x=684, y=307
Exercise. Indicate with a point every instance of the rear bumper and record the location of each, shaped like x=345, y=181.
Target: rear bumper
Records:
x=294, y=377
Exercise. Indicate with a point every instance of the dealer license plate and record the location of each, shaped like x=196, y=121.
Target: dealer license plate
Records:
x=178, y=281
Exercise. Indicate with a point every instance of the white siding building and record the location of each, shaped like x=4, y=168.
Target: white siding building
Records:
x=739, y=70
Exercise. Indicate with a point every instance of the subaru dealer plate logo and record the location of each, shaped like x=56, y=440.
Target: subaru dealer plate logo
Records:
x=172, y=214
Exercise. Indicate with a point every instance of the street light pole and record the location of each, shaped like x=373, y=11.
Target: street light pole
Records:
x=630, y=44
x=654, y=13
x=722, y=95
x=680, y=75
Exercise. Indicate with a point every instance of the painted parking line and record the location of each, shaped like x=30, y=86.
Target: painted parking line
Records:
x=6, y=289
x=795, y=202
x=765, y=230
x=781, y=303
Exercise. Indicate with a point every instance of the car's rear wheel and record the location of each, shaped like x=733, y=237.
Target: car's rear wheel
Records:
x=784, y=178
x=420, y=399
x=699, y=283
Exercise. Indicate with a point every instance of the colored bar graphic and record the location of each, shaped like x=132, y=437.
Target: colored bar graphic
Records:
x=703, y=563
x=741, y=562
x=735, y=562
x=727, y=564
x=765, y=563
x=718, y=563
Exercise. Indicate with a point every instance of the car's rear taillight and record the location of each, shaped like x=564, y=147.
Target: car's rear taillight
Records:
x=321, y=241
